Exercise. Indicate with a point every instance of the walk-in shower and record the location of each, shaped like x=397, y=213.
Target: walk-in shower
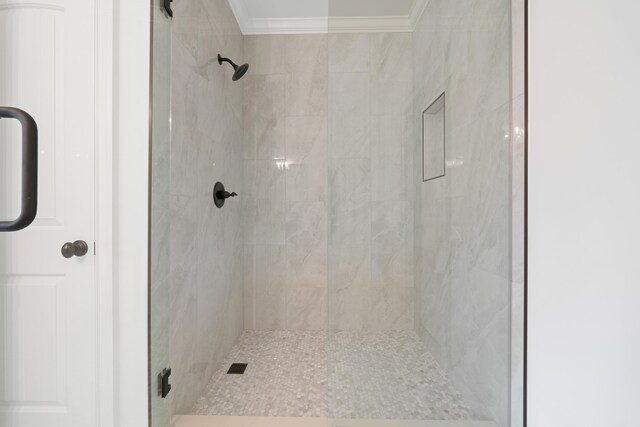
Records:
x=346, y=285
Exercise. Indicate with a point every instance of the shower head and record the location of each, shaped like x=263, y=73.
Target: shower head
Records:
x=240, y=71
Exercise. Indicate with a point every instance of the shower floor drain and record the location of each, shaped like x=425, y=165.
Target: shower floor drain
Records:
x=237, y=368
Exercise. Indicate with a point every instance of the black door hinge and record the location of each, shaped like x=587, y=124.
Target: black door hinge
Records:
x=163, y=383
x=167, y=7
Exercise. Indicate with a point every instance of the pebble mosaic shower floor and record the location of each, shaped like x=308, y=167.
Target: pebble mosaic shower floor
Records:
x=354, y=375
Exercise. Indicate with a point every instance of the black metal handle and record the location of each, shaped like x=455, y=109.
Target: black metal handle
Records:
x=29, y=170
x=167, y=8
x=225, y=194
x=220, y=194
x=78, y=248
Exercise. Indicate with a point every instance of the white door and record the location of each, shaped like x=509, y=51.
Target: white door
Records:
x=48, y=313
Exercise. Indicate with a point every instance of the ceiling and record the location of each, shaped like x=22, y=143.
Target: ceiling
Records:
x=346, y=8
x=320, y=16
x=276, y=9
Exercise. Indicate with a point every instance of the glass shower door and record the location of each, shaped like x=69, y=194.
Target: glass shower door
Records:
x=160, y=394
x=419, y=269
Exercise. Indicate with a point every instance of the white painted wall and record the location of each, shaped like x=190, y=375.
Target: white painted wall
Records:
x=130, y=207
x=584, y=224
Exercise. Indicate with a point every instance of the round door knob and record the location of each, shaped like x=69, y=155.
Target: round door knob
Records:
x=77, y=248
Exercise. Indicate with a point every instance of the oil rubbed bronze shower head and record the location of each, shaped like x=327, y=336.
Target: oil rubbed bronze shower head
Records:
x=240, y=71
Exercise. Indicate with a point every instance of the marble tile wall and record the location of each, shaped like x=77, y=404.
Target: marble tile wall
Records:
x=370, y=182
x=285, y=173
x=517, y=216
x=463, y=221
x=206, y=242
x=319, y=140
x=328, y=213
x=160, y=315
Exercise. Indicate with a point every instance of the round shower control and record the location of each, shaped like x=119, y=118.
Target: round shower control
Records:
x=220, y=195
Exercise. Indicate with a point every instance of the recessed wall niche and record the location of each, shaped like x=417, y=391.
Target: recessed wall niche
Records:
x=433, y=140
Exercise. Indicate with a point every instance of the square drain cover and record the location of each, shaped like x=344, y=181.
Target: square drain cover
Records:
x=237, y=368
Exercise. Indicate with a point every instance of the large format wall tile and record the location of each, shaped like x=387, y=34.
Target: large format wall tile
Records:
x=270, y=199
x=305, y=97
x=349, y=202
x=342, y=157
x=350, y=184
x=463, y=220
x=306, y=62
x=263, y=117
x=206, y=242
x=349, y=281
x=349, y=115
x=307, y=182
x=306, y=147
x=370, y=182
x=391, y=76
x=349, y=53
x=306, y=138
x=518, y=206
x=391, y=159
x=270, y=308
x=392, y=245
x=286, y=208
x=389, y=308
x=306, y=244
x=265, y=54
x=306, y=308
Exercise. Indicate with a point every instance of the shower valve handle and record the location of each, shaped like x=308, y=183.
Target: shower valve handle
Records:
x=225, y=194
x=220, y=195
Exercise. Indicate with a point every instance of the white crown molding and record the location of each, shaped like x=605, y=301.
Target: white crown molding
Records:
x=355, y=24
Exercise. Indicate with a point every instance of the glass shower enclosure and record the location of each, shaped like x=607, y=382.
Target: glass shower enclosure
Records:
x=365, y=269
